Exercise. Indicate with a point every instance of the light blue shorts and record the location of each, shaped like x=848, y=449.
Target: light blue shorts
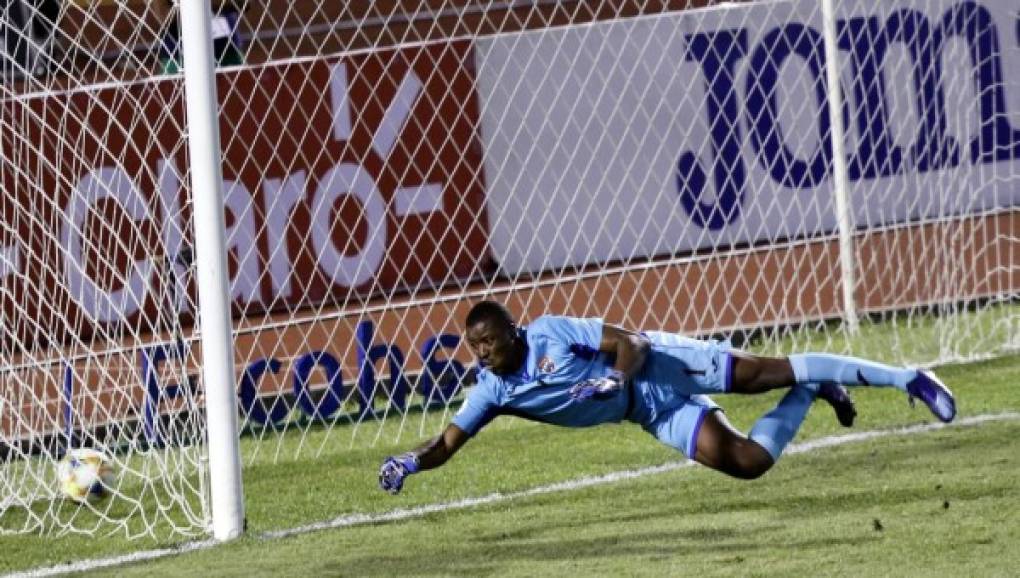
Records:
x=679, y=427
x=688, y=366
x=669, y=391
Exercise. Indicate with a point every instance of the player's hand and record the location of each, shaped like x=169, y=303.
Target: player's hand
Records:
x=598, y=388
x=395, y=469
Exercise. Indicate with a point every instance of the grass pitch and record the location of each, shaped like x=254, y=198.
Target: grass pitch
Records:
x=940, y=504
x=937, y=503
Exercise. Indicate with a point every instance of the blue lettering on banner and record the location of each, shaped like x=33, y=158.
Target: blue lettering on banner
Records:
x=253, y=405
x=435, y=368
x=67, y=393
x=864, y=43
x=332, y=398
x=933, y=148
x=149, y=359
x=717, y=53
x=793, y=39
x=997, y=141
x=368, y=354
x=876, y=154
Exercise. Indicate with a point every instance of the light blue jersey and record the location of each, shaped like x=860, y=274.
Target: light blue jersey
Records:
x=562, y=351
x=664, y=396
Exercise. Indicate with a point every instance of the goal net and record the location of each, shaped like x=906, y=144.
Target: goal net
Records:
x=754, y=171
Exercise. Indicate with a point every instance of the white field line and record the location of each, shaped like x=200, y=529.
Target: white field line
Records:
x=406, y=513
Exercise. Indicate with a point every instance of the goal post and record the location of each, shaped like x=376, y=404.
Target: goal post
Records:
x=840, y=176
x=226, y=494
x=203, y=270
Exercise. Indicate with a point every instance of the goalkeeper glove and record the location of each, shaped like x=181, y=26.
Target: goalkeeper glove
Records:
x=599, y=388
x=395, y=469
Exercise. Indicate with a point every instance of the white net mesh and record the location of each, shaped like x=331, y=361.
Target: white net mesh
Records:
x=664, y=165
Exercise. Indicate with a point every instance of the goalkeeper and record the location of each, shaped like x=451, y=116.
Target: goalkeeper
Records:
x=581, y=372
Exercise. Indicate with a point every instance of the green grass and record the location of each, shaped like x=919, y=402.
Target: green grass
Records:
x=944, y=504
x=813, y=514
x=906, y=337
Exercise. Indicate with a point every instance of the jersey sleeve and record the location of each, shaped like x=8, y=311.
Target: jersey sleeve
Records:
x=572, y=331
x=478, y=409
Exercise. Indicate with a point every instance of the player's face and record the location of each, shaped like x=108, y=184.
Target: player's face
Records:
x=495, y=346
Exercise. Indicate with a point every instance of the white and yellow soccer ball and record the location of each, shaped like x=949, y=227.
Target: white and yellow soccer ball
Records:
x=85, y=475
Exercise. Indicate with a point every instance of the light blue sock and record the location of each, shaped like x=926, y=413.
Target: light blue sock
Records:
x=825, y=367
x=776, y=428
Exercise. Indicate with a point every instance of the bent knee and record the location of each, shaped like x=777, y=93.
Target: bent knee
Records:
x=747, y=461
x=751, y=471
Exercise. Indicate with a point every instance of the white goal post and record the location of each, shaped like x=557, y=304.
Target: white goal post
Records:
x=225, y=490
x=289, y=243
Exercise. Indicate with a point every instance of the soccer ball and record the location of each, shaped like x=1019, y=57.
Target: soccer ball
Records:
x=85, y=475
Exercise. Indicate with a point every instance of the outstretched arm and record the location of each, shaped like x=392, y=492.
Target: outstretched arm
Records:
x=431, y=454
x=437, y=450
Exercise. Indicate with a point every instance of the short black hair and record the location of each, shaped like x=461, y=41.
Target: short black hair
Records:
x=489, y=311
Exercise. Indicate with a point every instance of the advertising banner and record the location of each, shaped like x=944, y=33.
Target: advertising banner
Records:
x=709, y=129
x=343, y=179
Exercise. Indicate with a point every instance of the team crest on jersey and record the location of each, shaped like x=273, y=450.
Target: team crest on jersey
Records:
x=546, y=365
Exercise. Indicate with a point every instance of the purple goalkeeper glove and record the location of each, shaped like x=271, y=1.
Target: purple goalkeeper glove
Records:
x=598, y=388
x=395, y=469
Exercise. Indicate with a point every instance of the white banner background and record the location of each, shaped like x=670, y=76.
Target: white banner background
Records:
x=583, y=128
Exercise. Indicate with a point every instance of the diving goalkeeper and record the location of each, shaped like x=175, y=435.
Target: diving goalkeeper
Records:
x=582, y=372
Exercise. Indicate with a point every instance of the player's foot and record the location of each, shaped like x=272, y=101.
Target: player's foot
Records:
x=934, y=394
x=839, y=398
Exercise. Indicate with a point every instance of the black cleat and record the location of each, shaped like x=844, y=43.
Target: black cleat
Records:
x=841, y=402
